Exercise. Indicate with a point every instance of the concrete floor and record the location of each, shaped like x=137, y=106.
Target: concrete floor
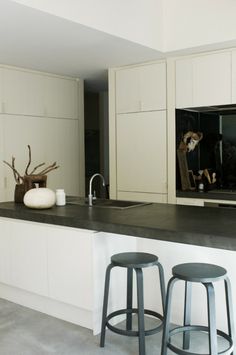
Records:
x=27, y=332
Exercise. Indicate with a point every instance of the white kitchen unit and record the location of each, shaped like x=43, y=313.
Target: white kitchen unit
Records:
x=23, y=92
x=61, y=97
x=141, y=88
x=137, y=130
x=1, y=90
x=40, y=134
x=140, y=166
x=60, y=270
x=2, y=179
x=204, y=80
x=46, y=112
x=234, y=76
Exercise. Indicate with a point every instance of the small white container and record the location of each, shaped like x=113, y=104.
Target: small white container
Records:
x=60, y=197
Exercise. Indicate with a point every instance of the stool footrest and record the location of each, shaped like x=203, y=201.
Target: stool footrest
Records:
x=197, y=328
x=133, y=332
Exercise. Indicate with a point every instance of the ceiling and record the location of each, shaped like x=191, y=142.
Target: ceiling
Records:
x=33, y=39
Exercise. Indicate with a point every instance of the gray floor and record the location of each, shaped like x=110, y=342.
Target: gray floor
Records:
x=27, y=332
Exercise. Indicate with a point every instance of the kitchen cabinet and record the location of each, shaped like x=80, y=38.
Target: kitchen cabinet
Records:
x=23, y=92
x=50, y=140
x=5, y=269
x=184, y=83
x=23, y=256
x=141, y=152
x=61, y=97
x=2, y=176
x=1, y=89
x=141, y=88
x=234, y=76
x=67, y=261
x=203, y=80
x=28, y=269
x=38, y=94
x=61, y=144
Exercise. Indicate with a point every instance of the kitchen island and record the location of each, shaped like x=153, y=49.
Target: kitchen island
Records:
x=54, y=260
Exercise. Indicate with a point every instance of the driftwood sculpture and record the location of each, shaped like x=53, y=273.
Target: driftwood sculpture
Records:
x=189, y=142
x=29, y=179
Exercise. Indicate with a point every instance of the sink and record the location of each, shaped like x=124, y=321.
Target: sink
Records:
x=105, y=203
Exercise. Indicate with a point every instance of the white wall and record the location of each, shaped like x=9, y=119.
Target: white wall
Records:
x=135, y=20
x=191, y=23
x=165, y=25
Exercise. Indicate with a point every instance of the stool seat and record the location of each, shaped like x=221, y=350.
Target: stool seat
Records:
x=134, y=260
x=199, y=272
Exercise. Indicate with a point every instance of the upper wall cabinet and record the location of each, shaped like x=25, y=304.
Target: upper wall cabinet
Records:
x=234, y=76
x=22, y=92
x=61, y=97
x=1, y=87
x=37, y=94
x=141, y=88
x=203, y=80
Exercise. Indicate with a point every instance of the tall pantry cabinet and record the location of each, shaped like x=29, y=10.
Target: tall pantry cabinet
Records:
x=138, y=152
x=42, y=110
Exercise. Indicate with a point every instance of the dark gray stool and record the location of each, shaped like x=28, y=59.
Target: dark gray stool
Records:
x=205, y=274
x=132, y=261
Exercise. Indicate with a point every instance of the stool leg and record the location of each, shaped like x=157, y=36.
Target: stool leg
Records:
x=229, y=309
x=211, y=318
x=166, y=327
x=162, y=284
x=129, y=298
x=141, y=325
x=187, y=314
x=105, y=303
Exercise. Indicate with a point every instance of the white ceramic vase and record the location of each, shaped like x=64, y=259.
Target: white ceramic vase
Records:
x=40, y=198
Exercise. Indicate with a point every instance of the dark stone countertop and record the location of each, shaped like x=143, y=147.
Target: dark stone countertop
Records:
x=204, y=226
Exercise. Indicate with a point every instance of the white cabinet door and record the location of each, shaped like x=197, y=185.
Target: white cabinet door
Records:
x=184, y=83
x=212, y=79
x=70, y=266
x=127, y=90
x=19, y=131
x=2, y=177
x=61, y=144
x=141, y=88
x=22, y=93
x=61, y=97
x=204, y=80
x=1, y=90
x=28, y=256
x=50, y=140
x=5, y=253
x=141, y=152
x=234, y=76
x=153, y=87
